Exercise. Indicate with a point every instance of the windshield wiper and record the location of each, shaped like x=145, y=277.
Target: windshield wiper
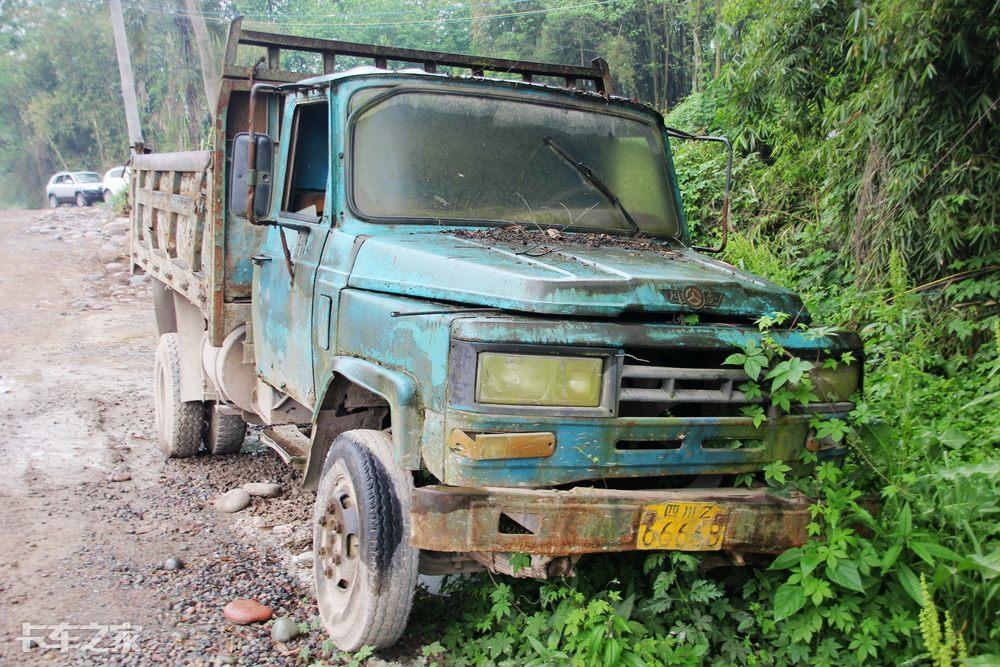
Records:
x=589, y=174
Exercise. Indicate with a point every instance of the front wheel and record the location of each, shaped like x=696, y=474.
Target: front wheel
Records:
x=365, y=567
x=107, y=195
x=81, y=200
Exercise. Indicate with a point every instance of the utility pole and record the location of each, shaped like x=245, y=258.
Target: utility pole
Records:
x=209, y=72
x=125, y=72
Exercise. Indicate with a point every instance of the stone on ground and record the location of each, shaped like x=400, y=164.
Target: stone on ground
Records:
x=262, y=489
x=244, y=611
x=284, y=629
x=232, y=501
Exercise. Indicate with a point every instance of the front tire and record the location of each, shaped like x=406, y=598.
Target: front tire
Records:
x=107, y=196
x=365, y=567
x=81, y=200
x=178, y=423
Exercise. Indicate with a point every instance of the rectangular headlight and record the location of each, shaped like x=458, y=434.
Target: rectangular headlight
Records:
x=534, y=379
x=832, y=385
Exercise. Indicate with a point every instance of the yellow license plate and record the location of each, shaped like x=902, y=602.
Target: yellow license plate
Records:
x=682, y=527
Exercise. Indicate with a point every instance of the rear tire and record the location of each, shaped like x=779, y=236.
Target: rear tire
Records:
x=224, y=431
x=178, y=423
x=53, y=202
x=81, y=200
x=365, y=567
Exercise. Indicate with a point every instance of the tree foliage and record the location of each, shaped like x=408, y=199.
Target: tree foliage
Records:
x=866, y=179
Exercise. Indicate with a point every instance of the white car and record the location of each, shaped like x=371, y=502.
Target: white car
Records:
x=116, y=180
x=80, y=187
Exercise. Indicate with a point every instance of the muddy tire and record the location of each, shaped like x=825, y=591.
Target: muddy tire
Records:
x=365, y=567
x=81, y=200
x=224, y=432
x=53, y=202
x=178, y=423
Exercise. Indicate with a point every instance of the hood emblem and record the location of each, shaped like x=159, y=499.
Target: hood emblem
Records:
x=694, y=296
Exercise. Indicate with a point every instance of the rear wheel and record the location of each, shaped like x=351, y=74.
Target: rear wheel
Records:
x=178, y=423
x=53, y=202
x=225, y=430
x=81, y=200
x=365, y=567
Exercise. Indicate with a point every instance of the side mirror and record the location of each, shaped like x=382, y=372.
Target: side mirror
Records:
x=724, y=222
x=246, y=184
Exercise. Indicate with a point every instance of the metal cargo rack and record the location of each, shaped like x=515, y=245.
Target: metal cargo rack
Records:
x=573, y=76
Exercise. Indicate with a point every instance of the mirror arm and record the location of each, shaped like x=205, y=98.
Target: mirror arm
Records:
x=679, y=134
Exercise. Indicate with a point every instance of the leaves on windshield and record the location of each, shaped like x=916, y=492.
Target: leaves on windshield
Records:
x=543, y=241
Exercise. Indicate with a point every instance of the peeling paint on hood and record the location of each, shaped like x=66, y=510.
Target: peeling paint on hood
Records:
x=570, y=280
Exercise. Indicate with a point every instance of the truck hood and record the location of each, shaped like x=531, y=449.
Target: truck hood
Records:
x=570, y=279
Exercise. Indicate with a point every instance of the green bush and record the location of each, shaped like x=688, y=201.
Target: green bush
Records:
x=866, y=179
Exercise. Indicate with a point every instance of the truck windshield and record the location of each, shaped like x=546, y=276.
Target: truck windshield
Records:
x=419, y=156
x=87, y=177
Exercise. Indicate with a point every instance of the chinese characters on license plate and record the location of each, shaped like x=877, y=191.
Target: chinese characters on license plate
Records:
x=682, y=527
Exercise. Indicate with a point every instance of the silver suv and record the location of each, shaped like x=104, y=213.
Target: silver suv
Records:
x=80, y=187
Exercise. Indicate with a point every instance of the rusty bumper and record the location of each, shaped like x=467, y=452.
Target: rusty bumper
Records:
x=589, y=520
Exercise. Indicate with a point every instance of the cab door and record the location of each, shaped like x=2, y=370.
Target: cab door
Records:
x=285, y=266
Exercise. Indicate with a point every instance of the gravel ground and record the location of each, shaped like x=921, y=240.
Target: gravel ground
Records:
x=93, y=511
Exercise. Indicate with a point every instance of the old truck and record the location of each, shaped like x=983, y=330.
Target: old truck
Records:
x=457, y=294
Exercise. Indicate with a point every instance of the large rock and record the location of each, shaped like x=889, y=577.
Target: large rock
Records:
x=116, y=227
x=262, y=489
x=232, y=501
x=244, y=611
x=108, y=253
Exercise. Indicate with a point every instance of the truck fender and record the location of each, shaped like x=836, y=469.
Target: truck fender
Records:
x=400, y=392
x=163, y=307
x=190, y=324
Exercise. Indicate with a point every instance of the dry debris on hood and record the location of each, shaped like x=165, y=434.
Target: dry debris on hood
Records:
x=537, y=242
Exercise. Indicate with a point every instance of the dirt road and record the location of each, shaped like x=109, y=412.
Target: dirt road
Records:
x=91, y=511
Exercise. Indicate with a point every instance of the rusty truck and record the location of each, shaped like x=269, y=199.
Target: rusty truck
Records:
x=456, y=293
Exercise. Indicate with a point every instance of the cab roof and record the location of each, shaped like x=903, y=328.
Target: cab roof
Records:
x=416, y=73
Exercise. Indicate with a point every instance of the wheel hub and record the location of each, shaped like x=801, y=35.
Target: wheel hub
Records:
x=337, y=555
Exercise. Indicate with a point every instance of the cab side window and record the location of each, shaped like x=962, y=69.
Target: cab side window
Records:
x=308, y=161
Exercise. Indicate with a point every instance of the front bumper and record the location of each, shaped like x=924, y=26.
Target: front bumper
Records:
x=591, y=520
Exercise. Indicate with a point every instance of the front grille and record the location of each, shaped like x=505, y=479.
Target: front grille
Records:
x=681, y=384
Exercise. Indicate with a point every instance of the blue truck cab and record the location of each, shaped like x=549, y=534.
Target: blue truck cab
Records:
x=466, y=307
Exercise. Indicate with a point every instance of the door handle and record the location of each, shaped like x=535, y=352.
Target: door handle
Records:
x=260, y=259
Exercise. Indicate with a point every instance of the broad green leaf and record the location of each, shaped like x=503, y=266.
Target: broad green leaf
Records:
x=846, y=575
x=953, y=438
x=904, y=522
x=788, y=599
x=928, y=551
x=735, y=359
x=989, y=566
x=891, y=554
x=910, y=583
x=810, y=561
